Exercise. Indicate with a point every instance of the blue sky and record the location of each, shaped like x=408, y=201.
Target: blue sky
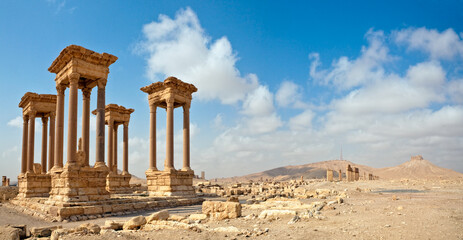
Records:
x=279, y=84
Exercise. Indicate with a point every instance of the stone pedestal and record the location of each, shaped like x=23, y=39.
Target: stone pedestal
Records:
x=118, y=183
x=75, y=183
x=170, y=183
x=34, y=185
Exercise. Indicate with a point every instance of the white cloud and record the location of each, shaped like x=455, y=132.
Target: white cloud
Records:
x=179, y=47
x=346, y=74
x=16, y=122
x=289, y=94
x=455, y=90
x=439, y=45
x=427, y=74
x=302, y=121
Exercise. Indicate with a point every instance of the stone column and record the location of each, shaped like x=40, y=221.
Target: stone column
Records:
x=110, y=144
x=72, y=120
x=115, y=147
x=86, y=123
x=186, y=137
x=125, y=151
x=30, y=144
x=59, y=133
x=169, y=163
x=44, y=144
x=153, y=137
x=25, y=140
x=100, y=124
x=51, y=144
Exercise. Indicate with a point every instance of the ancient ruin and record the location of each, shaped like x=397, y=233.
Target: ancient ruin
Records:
x=340, y=175
x=116, y=115
x=329, y=175
x=77, y=190
x=170, y=94
x=356, y=174
x=36, y=183
x=5, y=181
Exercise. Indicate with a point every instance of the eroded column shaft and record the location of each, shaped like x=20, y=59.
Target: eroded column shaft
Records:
x=59, y=133
x=30, y=144
x=86, y=123
x=44, y=144
x=25, y=147
x=153, y=138
x=125, y=153
x=115, y=148
x=51, y=144
x=186, y=137
x=110, y=144
x=72, y=119
x=100, y=125
x=169, y=163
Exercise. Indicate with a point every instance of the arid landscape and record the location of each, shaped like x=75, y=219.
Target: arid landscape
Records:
x=394, y=208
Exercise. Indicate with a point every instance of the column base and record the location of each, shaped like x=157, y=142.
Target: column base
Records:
x=34, y=185
x=170, y=183
x=118, y=183
x=78, y=184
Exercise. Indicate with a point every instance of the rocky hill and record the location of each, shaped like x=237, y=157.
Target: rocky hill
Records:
x=416, y=168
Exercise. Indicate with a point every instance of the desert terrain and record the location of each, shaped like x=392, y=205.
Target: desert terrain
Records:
x=401, y=208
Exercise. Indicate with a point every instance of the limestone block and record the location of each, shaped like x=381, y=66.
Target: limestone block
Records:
x=196, y=217
x=69, y=211
x=92, y=210
x=110, y=224
x=161, y=215
x=221, y=210
x=8, y=232
x=134, y=223
x=89, y=227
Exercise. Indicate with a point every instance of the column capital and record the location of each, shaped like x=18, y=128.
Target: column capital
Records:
x=153, y=107
x=101, y=83
x=60, y=88
x=126, y=124
x=186, y=106
x=170, y=102
x=86, y=92
x=73, y=78
x=32, y=114
x=44, y=120
x=52, y=115
x=25, y=118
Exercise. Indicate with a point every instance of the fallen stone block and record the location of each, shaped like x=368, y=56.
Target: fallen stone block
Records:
x=196, y=217
x=8, y=232
x=134, y=223
x=43, y=231
x=161, y=215
x=221, y=210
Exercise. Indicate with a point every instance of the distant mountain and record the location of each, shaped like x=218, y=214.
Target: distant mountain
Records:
x=416, y=168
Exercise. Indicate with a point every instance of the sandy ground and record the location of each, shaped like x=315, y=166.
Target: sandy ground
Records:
x=423, y=210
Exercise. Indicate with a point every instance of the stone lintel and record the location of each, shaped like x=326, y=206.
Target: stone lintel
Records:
x=171, y=88
x=41, y=104
x=117, y=113
x=90, y=65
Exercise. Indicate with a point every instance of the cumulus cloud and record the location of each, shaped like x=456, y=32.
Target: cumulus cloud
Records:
x=16, y=122
x=439, y=45
x=347, y=73
x=302, y=121
x=290, y=94
x=181, y=48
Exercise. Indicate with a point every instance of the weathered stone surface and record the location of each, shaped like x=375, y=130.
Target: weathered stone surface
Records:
x=221, y=210
x=274, y=213
x=110, y=224
x=161, y=215
x=43, y=231
x=89, y=228
x=134, y=223
x=176, y=218
x=9, y=233
x=196, y=217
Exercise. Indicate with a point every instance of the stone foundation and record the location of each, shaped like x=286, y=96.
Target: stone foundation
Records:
x=75, y=211
x=170, y=183
x=118, y=183
x=74, y=183
x=34, y=185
